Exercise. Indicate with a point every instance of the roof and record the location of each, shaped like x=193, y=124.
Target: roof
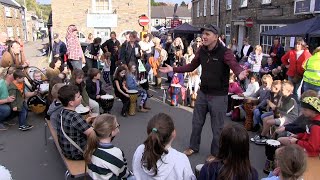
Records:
x=10, y=2
x=167, y=11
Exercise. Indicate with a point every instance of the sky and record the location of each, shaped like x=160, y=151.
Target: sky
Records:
x=171, y=1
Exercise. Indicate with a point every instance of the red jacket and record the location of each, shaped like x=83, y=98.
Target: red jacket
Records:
x=311, y=141
x=295, y=65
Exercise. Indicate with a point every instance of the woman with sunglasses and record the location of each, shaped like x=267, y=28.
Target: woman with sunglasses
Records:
x=104, y=160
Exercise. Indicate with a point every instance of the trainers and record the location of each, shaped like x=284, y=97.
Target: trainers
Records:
x=25, y=127
x=261, y=141
x=229, y=114
x=29, y=126
x=255, y=138
x=3, y=127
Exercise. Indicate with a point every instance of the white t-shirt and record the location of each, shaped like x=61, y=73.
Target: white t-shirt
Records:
x=245, y=49
x=146, y=46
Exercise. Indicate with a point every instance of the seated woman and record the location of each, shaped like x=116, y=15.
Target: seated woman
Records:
x=233, y=160
x=54, y=68
x=155, y=158
x=132, y=84
x=120, y=89
x=5, y=99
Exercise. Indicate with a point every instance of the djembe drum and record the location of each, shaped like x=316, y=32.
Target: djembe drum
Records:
x=144, y=84
x=133, y=101
x=270, y=150
x=249, y=105
x=107, y=102
x=83, y=111
x=175, y=90
x=235, y=103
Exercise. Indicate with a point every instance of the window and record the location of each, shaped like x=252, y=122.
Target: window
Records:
x=243, y=3
x=198, y=9
x=228, y=33
x=228, y=4
x=8, y=12
x=267, y=41
x=10, y=31
x=266, y=2
x=102, y=6
x=204, y=7
x=212, y=7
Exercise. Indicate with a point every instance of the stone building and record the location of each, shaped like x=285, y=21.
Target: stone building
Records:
x=248, y=18
x=11, y=19
x=98, y=17
x=163, y=15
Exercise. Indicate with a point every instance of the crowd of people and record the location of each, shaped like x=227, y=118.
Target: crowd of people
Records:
x=286, y=86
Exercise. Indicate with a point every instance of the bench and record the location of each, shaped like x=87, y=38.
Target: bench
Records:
x=312, y=172
x=75, y=168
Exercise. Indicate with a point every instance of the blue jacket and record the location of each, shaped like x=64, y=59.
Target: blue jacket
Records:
x=59, y=48
x=131, y=82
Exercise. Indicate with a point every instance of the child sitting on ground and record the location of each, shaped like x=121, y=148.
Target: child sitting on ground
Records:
x=310, y=139
x=77, y=80
x=263, y=94
x=19, y=105
x=56, y=106
x=73, y=125
x=286, y=112
x=252, y=88
x=120, y=89
x=233, y=154
x=234, y=86
x=291, y=162
x=267, y=68
x=100, y=152
x=132, y=84
x=94, y=86
x=155, y=158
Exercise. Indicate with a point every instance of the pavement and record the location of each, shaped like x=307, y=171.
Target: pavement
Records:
x=28, y=157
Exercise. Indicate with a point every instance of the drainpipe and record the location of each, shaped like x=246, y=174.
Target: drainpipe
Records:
x=218, y=17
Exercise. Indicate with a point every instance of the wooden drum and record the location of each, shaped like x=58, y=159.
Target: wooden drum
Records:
x=83, y=111
x=133, y=101
x=250, y=104
x=107, y=103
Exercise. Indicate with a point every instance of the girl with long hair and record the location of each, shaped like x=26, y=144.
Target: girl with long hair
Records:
x=77, y=79
x=155, y=158
x=104, y=160
x=120, y=89
x=55, y=68
x=232, y=161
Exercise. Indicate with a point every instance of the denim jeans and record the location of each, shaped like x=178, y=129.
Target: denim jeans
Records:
x=5, y=111
x=23, y=114
x=308, y=86
x=76, y=64
x=256, y=117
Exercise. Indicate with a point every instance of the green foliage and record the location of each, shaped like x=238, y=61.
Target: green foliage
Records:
x=183, y=4
x=154, y=3
x=42, y=10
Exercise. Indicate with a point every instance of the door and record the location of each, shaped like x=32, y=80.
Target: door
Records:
x=103, y=33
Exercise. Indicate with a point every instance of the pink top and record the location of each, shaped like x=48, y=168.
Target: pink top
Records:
x=235, y=88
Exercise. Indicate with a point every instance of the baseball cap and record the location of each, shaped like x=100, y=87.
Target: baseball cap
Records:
x=213, y=28
x=55, y=36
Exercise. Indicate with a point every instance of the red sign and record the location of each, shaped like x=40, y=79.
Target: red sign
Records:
x=249, y=22
x=143, y=21
x=175, y=23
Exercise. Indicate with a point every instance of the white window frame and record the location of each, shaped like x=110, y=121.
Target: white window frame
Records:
x=211, y=7
x=198, y=9
x=205, y=2
x=7, y=11
x=228, y=4
x=265, y=1
x=267, y=41
x=94, y=7
x=10, y=31
x=243, y=3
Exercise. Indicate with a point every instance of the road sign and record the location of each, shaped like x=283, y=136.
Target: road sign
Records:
x=249, y=22
x=143, y=20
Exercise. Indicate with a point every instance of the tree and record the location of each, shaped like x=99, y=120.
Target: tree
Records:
x=42, y=10
x=154, y=3
x=183, y=4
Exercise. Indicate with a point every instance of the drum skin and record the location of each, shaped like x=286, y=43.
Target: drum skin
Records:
x=107, y=103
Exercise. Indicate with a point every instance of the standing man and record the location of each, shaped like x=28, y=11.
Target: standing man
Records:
x=112, y=45
x=92, y=53
x=216, y=61
x=130, y=50
x=59, y=47
x=276, y=52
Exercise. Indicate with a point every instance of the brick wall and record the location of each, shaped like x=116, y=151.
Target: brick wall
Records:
x=75, y=12
x=13, y=21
